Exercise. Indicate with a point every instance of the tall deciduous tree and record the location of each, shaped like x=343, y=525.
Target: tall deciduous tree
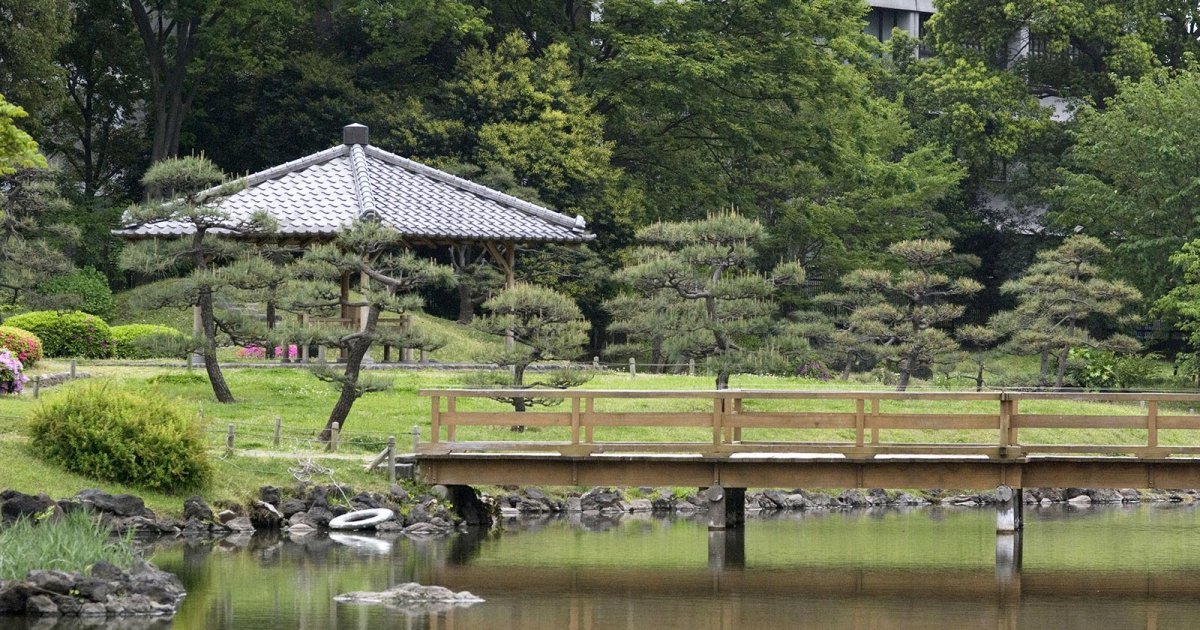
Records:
x=908, y=327
x=1057, y=296
x=393, y=276
x=198, y=185
x=1131, y=179
x=31, y=32
x=724, y=308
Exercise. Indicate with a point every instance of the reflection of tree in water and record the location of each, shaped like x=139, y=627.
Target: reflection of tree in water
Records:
x=466, y=546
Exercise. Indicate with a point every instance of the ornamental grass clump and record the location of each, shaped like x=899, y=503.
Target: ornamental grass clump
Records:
x=72, y=543
x=12, y=374
x=113, y=435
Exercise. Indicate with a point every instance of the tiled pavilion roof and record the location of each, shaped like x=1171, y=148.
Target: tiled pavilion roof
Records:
x=315, y=196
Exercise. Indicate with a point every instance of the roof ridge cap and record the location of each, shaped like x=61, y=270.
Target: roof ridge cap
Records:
x=362, y=183
x=520, y=204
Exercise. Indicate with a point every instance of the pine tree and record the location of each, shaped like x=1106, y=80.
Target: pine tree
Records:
x=198, y=185
x=28, y=252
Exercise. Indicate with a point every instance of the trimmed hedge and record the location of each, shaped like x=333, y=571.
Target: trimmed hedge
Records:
x=113, y=435
x=86, y=289
x=22, y=344
x=137, y=341
x=70, y=334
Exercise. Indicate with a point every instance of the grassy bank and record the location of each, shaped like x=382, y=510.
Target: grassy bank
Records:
x=73, y=543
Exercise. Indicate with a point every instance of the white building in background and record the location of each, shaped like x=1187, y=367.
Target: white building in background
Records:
x=909, y=16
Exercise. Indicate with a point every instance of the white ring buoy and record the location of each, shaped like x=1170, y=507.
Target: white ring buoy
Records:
x=360, y=519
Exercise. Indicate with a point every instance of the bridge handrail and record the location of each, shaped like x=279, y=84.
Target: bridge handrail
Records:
x=728, y=418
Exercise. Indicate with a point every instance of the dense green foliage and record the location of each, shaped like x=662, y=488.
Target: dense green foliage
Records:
x=86, y=289
x=145, y=341
x=109, y=434
x=22, y=344
x=67, y=334
x=73, y=542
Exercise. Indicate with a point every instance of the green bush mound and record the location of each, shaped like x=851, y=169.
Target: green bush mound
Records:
x=86, y=290
x=21, y=343
x=145, y=341
x=114, y=435
x=67, y=334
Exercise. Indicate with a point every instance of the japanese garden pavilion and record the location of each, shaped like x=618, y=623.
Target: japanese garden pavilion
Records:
x=314, y=197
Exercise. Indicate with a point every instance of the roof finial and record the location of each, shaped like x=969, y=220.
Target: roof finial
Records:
x=355, y=134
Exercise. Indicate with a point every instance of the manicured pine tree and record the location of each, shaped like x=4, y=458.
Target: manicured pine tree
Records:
x=722, y=306
x=197, y=186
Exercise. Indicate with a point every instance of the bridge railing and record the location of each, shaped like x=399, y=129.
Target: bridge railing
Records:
x=851, y=423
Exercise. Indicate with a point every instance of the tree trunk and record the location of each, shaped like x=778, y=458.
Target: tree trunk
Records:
x=215, y=377
x=1044, y=370
x=722, y=379
x=1062, y=367
x=905, y=374
x=466, y=304
x=846, y=370
x=354, y=359
x=269, y=348
x=518, y=402
x=979, y=378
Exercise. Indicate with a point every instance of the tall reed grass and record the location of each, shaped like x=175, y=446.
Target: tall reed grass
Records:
x=73, y=543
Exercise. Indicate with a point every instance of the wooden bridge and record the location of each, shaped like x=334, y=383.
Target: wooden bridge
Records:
x=739, y=439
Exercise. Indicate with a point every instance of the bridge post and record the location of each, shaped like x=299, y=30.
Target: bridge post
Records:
x=1009, y=510
x=726, y=507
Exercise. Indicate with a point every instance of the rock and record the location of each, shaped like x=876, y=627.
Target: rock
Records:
x=119, y=504
x=398, y=493
x=107, y=571
x=440, y=491
x=12, y=598
x=93, y=609
x=409, y=594
x=796, y=502
x=905, y=498
x=470, y=506
x=59, y=582
x=317, y=498
x=41, y=605
x=819, y=500
x=364, y=501
x=269, y=494
x=240, y=524
x=94, y=589
x=1081, y=499
x=290, y=507
x=1130, y=495
x=301, y=527
x=598, y=499
x=224, y=516
x=854, y=498
x=1071, y=493
x=389, y=526
x=263, y=515
x=1045, y=502
x=536, y=495
x=574, y=505
x=156, y=585
x=17, y=505
x=319, y=516
x=1105, y=495
x=641, y=505
x=195, y=507
x=338, y=510
x=67, y=606
x=424, y=529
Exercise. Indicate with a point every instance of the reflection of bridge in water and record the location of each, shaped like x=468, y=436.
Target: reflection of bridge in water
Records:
x=730, y=440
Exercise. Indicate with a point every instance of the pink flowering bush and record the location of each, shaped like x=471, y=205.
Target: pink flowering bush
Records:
x=292, y=352
x=21, y=343
x=12, y=374
x=251, y=352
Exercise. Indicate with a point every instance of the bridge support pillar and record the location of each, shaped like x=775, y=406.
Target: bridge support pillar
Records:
x=1008, y=556
x=467, y=504
x=1009, y=510
x=726, y=507
x=726, y=549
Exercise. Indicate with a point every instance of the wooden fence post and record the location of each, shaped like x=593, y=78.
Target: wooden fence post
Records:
x=229, y=439
x=37, y=386
x=72, y=369
x=278, y=428
x=334, y=436
x=632, y=366
x=692, y=367
x=595, y=363
x=391, y=459
x=416, y=433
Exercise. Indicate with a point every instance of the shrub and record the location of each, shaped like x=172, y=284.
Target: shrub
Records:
x=86, y=290
x=69, y=334
x=12, y=374
x=24, y=344
x=146, y=341
x=115, y=435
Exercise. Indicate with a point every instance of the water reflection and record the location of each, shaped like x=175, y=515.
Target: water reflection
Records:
x=875, y=568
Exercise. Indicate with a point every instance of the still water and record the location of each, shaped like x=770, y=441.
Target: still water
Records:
x=1093, y=567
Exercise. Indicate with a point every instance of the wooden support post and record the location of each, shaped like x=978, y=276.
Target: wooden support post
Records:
x=726, y=550
x=73, y=364
x=320, y=354
x=278, y=430
x=717, y=430
x=37, y=386
x=197, y=321
x=860, y=422
x=416, y=433
x=1009, y=510
x=335, y=437
x=229, y=439
x=574, y=420
x=589, y=407
x=451, y=407
x=1152, y=424
x=875, y=429
x=1005, y=423
x=435, y=421
x=595, y=363
x=737, y=431
x=1012, y=419
x=691, y=367
x=1008, y=557
x=632, y=366
x=391, y=459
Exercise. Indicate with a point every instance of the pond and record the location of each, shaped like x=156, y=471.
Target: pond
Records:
x=1100, y=566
